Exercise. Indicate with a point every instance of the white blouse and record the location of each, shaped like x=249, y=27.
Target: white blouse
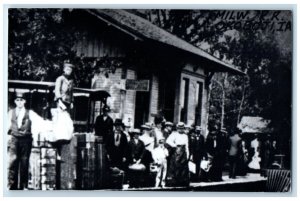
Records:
x=178, y=139
x=148, y=142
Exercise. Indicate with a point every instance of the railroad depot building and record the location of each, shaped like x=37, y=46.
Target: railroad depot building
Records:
x=163, y=74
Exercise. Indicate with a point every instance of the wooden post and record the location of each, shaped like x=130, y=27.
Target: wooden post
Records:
x=80, y=160
x=68, y=166
x=34, y=171
x=177, y=99
x=101, y=168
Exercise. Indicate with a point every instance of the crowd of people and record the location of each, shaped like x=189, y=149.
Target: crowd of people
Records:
x=174, y=154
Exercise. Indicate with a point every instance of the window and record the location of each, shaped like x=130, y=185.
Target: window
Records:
x=184, y=99
x=198, y=103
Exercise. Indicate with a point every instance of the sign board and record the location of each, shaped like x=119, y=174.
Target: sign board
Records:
x=137, y=85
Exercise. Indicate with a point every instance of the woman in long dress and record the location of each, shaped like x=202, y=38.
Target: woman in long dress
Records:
x=147, y=138
x=149, y=141
x=179, y=170
x=64, y=99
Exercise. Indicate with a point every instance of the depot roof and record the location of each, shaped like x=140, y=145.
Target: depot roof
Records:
x=143, y=29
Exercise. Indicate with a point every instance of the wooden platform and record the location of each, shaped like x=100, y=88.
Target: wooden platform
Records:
x=249, y=183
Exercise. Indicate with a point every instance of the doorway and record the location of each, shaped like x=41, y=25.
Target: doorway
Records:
x=142, y=100
x=141, y=108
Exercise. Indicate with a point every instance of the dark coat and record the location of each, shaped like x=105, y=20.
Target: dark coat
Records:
x=135, y=150
x=234, y=145
x=218, y=153
x=197, y=146
x=103, y=127
x=117, y=153
x=221, y=145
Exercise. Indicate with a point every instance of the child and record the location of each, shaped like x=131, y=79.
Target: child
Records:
x=160, y=154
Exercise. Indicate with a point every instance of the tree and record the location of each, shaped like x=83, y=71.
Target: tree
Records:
x=257, y=41
x=38, y=29
x=41, y=40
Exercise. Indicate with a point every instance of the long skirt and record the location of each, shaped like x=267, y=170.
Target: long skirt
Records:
x=178, y=174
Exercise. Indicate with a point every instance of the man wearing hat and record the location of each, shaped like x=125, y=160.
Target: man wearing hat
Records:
x=127, y=131
x=197, y=149
x=188, y=129
x=116, y=146
x=20, y=142
x=64, y=88
x=216, y=146
x=104, y=125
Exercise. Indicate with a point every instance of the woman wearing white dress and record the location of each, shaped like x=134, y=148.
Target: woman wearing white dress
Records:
x=149, y=142
x=179, y=170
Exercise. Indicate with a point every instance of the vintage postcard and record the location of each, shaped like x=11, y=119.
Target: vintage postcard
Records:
x=149, y=99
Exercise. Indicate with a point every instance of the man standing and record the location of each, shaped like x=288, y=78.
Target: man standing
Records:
x=20, y=143
x=221, y=153
x=117, y=146
x=234, y=150
x=197, y=149
x=216, y=148
x=104, y=125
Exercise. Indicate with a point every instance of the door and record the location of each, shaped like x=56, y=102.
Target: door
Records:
x=141, y=108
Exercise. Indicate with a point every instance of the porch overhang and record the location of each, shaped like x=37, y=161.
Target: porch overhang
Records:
x=141, y=29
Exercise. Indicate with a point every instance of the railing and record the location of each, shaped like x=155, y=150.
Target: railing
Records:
x=278, y=180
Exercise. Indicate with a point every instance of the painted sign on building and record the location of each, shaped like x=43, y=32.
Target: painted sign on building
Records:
x=137, y=85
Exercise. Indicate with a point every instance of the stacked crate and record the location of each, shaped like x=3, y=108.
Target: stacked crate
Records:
x=42, y=172
x=48, y=168
x=34, y=169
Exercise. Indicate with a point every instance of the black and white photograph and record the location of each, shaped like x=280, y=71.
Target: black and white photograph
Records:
x=105, y=99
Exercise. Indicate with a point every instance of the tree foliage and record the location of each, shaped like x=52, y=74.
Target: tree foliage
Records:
x=260, y=46
x=38, y=46
x=41, y=40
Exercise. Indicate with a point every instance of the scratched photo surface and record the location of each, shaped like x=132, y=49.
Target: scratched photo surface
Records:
x=149, y=100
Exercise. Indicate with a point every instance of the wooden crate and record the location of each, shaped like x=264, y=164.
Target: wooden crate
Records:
x=48, y=168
